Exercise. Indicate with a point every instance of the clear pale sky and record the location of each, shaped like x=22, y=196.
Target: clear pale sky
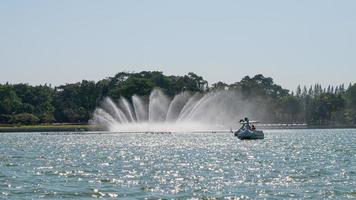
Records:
x=292, y=41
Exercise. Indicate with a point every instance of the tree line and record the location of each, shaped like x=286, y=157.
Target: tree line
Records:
x=75, y=103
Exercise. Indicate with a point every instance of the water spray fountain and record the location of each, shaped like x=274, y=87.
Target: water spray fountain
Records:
x=185, y=112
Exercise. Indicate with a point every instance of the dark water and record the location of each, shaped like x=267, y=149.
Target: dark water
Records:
x=298, y=164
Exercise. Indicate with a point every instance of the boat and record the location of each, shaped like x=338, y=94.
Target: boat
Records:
x=248, y=131
x=249, y=134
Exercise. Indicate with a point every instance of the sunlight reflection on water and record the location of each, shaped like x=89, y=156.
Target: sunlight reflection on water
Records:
x=286, y=164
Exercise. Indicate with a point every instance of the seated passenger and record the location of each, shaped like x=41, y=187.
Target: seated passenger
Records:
x=253, y=127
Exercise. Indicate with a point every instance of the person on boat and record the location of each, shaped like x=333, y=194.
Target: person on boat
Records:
x=247, y=124
x=253, y=127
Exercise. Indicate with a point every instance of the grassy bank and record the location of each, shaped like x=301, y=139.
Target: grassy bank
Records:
x=49, y=128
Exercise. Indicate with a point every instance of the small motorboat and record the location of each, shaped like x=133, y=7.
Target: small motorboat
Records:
x=248, y=131
x=249, y=134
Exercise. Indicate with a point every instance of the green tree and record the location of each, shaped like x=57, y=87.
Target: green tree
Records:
x=324, y=106
x=291, y=108
x=351, y=103
x=9, y=101
x=219, y=86
x=25, y=118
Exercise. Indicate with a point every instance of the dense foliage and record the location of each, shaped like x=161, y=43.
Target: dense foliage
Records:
x=75, y=103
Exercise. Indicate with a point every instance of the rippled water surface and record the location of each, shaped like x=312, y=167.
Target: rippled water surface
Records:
x=286, y=164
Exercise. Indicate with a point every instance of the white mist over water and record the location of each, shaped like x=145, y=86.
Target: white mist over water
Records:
x=185, y=112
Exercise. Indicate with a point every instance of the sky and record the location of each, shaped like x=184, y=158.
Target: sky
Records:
x=293, y=41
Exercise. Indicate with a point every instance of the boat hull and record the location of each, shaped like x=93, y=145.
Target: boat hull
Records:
x=249, y=135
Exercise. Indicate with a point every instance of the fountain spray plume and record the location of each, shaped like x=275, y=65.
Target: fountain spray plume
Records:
x=185, y=112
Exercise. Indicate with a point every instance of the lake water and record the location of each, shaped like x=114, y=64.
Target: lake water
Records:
x=299, y=164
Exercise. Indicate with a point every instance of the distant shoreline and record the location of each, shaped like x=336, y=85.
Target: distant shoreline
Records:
x=50, y=128
x=291, y=126
x=87, y=127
